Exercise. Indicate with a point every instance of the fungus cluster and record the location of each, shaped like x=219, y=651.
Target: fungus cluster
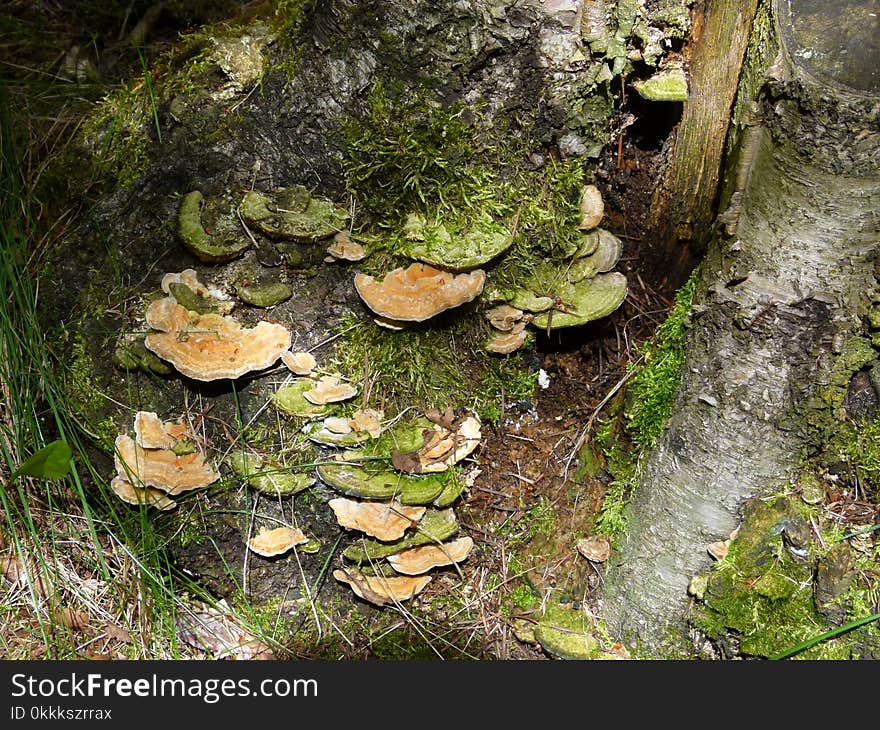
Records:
x=160, y=462
x=398, y=490
x=567, y=293
x=557, y=293
x=208, y=345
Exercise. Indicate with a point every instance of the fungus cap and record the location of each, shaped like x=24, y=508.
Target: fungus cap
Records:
x=188, y=277
x=504, y=343
x=418, y=292
x=131, y=494
x=592, y=208
x=269, y=543
x=152, y=433
x=419, y=560
x=300, y=363
x=504, y=317
x=379, y=590
x=209, y=346
x=343, y=247
x=330, y=389
x=161, y=468
x=382, y=520
x=367, y=419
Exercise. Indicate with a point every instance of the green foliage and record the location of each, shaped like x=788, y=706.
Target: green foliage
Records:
x=50, y=462
x=653, y=388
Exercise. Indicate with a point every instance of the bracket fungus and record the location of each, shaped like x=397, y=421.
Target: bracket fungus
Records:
x=380, y=590
x=436, y=525
x=330, y=389
x=299, y=363
x=592, y=208
x=418, y=292
x=268, y=476
x=419, y=560
x=210, y=346
x=265, y=294
x=503, y=343
x=151, y=432
x=292, y=213
x=345, y=249
x=187, y=277
x=384, y=521
x=382, y=484
x=198, y=215
x=162, y=468
x=127, y=492
x=278, y=541
x=670, y=84
x=442, y=447
x=289, y=398
x=504, y=317
x=148, y=470
x=460, y=250
x=585, y=301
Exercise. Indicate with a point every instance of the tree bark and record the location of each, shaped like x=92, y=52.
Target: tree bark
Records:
x=684, y=204
x=780, y=285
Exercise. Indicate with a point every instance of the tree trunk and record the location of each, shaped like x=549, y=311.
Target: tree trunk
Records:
x=684, y=203
x=781, y=285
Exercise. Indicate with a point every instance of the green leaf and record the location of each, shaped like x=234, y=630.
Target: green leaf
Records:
x=50, y=462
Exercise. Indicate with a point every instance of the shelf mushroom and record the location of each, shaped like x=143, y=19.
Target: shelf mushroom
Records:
x=211, y=346
x=418, y=292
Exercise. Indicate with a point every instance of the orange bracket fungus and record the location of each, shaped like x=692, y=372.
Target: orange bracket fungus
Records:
x=418, y=292
x=419, y=560
x=379, y=590
x=269, y=543
x=210, y=346
x=380, y=520
x=148, y=469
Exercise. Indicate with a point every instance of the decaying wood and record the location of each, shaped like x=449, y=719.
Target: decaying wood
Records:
x=684, y=204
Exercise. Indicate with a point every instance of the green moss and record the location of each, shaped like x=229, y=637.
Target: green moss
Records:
x=653, y=388
x=79, y=383
x=407, y=154
x=439, y=370
x=117, y=133
x=760, y=593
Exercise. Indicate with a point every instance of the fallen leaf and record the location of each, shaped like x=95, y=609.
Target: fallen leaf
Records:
x=116, y=632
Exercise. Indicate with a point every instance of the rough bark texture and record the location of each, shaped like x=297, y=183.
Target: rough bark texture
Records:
x=785, y=278
x=684, y=204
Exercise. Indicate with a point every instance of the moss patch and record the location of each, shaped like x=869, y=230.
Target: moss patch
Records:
x=761, y=594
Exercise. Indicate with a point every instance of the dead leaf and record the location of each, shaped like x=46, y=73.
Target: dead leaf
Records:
x=117, y=633
x=73, y=619
x=215, y=631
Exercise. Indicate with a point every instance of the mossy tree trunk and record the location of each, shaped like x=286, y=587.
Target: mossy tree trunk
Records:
x=774, y=317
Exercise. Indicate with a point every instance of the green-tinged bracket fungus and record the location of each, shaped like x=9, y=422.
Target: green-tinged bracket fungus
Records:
x=434, y=244
x=292, y=213
x=266, y=476
x=670, y=84
x=198, y=215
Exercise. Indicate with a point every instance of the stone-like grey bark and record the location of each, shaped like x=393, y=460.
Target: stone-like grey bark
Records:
x=782, y=282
